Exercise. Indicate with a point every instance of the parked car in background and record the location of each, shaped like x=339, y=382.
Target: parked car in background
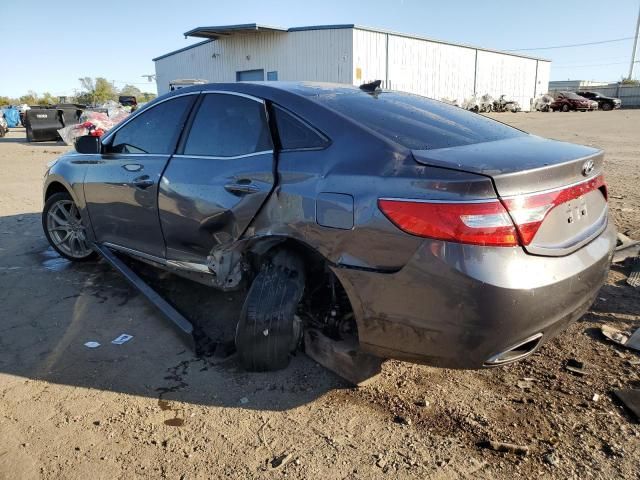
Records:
x=3, y=125
x=424, y=232
x=569, y=101
x=604, y=103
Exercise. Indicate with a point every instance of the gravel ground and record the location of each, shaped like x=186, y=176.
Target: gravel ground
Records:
x=149, y=409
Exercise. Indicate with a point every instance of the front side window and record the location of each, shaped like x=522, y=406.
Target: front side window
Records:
x=155, y=130
x=295, y=134
x=228, y=126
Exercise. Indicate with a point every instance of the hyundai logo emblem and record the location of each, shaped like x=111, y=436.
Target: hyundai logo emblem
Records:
x=587, y=167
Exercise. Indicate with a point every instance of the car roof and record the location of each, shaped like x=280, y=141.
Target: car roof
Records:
x=267, y=89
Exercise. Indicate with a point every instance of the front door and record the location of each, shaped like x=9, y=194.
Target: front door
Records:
x=219, y=178
x=121, y=187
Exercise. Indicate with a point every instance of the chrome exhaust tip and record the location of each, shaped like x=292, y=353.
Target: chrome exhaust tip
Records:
x=516, y=352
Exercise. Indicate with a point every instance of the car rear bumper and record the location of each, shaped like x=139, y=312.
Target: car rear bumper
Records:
x=457, y=306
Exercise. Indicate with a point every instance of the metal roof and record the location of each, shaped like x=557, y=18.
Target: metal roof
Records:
x=215, y=32
x=226, y=30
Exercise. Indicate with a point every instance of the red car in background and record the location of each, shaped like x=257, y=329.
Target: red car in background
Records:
x=569, y=101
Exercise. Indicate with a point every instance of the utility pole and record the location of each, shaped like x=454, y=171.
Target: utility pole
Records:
x=635, y=44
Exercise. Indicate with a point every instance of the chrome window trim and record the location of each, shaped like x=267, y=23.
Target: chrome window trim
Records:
x=237, y=94
x=110, y=134
x=213, y=157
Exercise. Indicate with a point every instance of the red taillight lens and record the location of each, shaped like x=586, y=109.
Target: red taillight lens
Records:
x=503, y=223
x=529, y=211
x=485, y=223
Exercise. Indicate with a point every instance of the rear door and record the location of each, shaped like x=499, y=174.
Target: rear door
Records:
x=121, y=185
x=221, y=176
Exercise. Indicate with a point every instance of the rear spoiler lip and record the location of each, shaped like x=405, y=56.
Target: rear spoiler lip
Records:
x=544, y=164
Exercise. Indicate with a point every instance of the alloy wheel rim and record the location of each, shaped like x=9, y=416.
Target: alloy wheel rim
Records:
x=66, y=231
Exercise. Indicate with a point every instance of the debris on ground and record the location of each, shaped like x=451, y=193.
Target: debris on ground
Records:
x=244, y=400
x=505, y=447
x=621, y=338
x=525, y=383
x=634, y=277
x=281, y=460
x=121, y=339
x=551, y=459
x=576, y=366
x=626, y=248
x=631, y=399
x=92, y=344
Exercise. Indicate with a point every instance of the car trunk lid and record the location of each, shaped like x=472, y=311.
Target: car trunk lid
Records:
x=554, y=191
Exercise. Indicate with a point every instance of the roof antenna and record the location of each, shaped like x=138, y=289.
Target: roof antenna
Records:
x=371, y=86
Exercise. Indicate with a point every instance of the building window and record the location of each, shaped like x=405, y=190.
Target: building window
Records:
x=272, y=76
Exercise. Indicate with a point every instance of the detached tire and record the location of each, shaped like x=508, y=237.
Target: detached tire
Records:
x=268, y=330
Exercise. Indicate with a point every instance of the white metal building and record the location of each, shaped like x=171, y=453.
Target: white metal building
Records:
x=354, y=54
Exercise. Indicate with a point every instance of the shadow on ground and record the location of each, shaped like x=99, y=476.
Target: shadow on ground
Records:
x=51, y=307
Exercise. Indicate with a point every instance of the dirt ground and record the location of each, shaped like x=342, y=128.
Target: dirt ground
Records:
x=150, y=409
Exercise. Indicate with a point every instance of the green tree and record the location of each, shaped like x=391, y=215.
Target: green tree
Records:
x=47, y=99
x=131, y=90
x=147, y=97
x=31, y=98
x=98, y=90
x=7, y=100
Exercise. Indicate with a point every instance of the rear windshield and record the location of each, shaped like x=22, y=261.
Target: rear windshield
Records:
x=417, y=122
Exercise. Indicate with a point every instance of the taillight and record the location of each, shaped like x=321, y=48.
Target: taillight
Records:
x=529, y=211
x=485, y=223
x=503, y=223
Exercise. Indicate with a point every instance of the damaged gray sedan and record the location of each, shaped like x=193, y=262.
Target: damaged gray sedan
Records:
x=424, y=232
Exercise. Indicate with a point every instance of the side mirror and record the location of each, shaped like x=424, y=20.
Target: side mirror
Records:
x=88, y=144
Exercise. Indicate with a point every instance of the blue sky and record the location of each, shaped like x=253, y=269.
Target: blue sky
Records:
x=117, y=39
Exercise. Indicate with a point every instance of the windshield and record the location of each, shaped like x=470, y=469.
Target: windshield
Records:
x=572, y=96
x=416, y=122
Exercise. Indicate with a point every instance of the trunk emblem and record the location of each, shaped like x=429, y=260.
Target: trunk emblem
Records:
x=587, y=167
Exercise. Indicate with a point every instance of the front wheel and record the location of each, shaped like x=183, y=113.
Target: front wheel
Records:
x=268, y=329
x=606, y=107
x=63, y=228
x=565, y=108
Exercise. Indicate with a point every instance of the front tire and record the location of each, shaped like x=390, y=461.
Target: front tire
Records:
x=607, y=107
x=268, y=329
x=565, y=108
x=64, y=230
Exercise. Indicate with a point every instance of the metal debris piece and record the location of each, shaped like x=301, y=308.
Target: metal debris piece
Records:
x=576, y=366
x=634, y=277
x=505, y=447
x=631, y=399
x=125, y=337
x=281, y=460
x=626, y=248
x=622, y=338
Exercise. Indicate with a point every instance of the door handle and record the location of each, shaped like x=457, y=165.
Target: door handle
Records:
x=143, y=182
x=242, y=187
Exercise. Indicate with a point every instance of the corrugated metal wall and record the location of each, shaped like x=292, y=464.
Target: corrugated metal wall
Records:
x=320, y=55
x=345, y=55
x=440, y=70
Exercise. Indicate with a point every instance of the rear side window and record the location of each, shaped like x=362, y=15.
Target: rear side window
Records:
x=417, y=122
x=228, y=126
x=155, y=130
x=295, y=134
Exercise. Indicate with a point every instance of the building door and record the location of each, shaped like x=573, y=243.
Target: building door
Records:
x=250, y=76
